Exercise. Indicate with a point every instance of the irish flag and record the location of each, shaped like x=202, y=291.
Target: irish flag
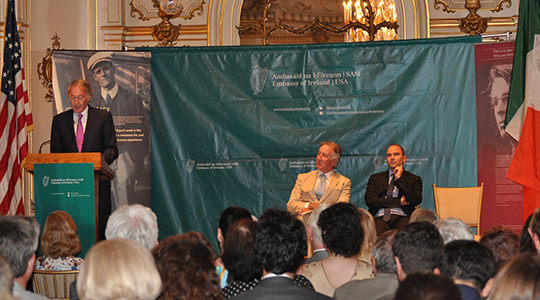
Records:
x=523, y=112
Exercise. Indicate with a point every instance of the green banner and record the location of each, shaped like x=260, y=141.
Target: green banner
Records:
x=67, y=187
x=236, y=125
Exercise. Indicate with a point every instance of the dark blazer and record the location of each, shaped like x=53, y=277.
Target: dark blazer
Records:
x=280, y=288
x=409, y=185
x=99, y=135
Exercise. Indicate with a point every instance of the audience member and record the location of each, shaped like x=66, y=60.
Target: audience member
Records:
x=6, y=280
x=427, y=287
x=280, y=245
x=315, y=235
x=453, y=229
x=525, y=242
x=370, y=234
x=519, y=279
x=239, y=258
x=228, y=217
x=534, y=229
x=503, y=243
x=134, y=222
x=417, y=248
x=118, y=269
x=342, y=236
x=471, y=265
x=424, y=215
x=18, y=243
x=185, y=263
x=384, y=268
x=59, y=244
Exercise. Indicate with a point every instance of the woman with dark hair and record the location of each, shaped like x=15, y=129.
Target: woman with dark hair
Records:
x=245, y=270
x=229, y=216
x=519, y=279
x=185, y=264
x=59, y=244
x=342, y=235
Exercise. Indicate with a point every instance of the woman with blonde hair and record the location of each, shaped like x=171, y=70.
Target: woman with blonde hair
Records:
x=118, y=269
x=59, y=244
x=519, y=279
x=370, y=234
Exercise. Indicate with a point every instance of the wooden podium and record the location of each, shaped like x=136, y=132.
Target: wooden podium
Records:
x=100, y=171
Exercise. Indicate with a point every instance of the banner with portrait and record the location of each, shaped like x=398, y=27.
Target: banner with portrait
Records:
x=236, y=125
x=503, y=199
x=120, y=84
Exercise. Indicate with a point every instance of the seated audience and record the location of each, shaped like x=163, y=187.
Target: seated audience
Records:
x=503, y=243
x=59, y=244
x=315, y=236
x=228, y=217
x=534, y=230
x=424, y=215
x=384, y=267
x=280, y=245
x=427, y=287
x=118, y=269
x=471, y=265
x=186, y=265
x=525, y=241
x=6, y=280
x=239, y=258
x=134, y=222
x=370, y=234
x=453, y=229
x=342, y=236
x=519, y=279
x=19, y=238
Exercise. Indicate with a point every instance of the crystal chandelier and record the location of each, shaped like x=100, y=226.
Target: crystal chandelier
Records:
x=370, y=20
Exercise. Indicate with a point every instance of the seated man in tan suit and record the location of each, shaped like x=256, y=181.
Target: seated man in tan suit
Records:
x=321, y=185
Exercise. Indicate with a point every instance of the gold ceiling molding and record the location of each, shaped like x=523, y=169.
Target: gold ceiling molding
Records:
x=499, y=6
x=44, y=68
x=190, y=9
x=445, y=6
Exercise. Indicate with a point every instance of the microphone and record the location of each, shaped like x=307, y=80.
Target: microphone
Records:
x=54, y=139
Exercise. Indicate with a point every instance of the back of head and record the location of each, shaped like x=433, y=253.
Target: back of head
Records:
x=280, y=242
x=133, y=222
x=424, y=215
x=186, y=265
x=341, y=228
x=18, y=241
x=6, y=279
x=519, y=279
x=427, y=287
x=453, y=229
x=239, y=252
x=118, y=269
x=503, y=243
x=525, y=240
x=59, y=238
x=534, y=229
x=382, y=253
x=231, y=215
x=469, y=261
x=314, y=219
x=370, y=233
x=418, y=246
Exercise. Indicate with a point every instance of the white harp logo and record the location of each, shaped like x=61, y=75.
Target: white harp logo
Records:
x=258, y=79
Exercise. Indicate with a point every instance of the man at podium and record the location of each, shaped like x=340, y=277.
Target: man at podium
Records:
x=86, y=129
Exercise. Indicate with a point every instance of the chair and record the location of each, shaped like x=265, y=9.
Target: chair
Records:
x=462, y=203
x=53, y=284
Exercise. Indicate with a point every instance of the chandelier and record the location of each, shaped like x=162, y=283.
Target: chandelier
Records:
x=370, y=20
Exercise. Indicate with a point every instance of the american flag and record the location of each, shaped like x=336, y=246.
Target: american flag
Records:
x=15, y=119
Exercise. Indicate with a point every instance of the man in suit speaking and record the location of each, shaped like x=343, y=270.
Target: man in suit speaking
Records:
x=322, y=185
x=86, y=129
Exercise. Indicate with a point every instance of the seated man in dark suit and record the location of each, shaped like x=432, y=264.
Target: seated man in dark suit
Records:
x=86, y=129
x=280, y=245
x=393, y=194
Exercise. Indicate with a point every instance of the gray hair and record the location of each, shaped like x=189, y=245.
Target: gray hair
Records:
x=452, y=229
x=424, y=215
x=382, y=253
x=18, y=241
x=315, y=229
x=134, y=222
x=6, y=279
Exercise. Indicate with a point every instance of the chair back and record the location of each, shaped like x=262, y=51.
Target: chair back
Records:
x=53, y=284
x=462, y=203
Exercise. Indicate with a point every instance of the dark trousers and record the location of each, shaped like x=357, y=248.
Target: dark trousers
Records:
x=395, y=222
x=104, y=209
